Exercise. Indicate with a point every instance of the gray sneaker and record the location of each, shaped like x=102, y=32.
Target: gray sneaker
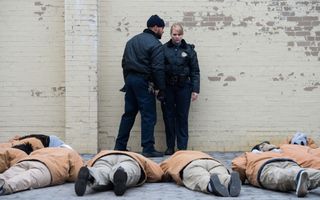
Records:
x=217, y=188
x=234, y=184
x=302, y=184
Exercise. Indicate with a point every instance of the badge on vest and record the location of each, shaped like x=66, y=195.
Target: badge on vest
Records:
x=184, y=54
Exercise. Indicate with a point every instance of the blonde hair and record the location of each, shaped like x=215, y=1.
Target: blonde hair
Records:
x=178, y=26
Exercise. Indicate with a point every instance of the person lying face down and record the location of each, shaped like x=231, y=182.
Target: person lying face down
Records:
x=10, y=156
x=43, y=167
x=200, y=172
x=270, y=167
x=117, y=171
x=303, y=155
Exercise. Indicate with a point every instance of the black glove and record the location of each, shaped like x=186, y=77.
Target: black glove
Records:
x=123, y=89
x=161, y=96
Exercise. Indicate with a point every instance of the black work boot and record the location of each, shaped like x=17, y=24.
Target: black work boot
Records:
x=217, y=188
x=81, y=183
x=234, y=184
x=119, y=181
x=169, y=151
x=153, y=153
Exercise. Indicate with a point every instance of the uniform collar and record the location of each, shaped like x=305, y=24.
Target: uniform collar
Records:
x=150, y=32
x=183, y=44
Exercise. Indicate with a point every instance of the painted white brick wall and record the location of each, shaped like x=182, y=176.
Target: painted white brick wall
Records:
x=31, y=68
x=60, y=69
x=81, y=75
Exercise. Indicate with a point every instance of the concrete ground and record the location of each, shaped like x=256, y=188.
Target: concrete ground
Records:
x=155, y=191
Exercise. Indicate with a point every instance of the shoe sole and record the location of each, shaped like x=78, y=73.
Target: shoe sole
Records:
x=119, y=181
x=235, y=184
x=218, y=188
x=81, y=183
x=302, y=187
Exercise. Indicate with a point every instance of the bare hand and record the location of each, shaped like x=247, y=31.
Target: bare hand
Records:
x=194, y=96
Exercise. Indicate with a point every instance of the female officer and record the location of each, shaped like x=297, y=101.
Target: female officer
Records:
x=182, y=86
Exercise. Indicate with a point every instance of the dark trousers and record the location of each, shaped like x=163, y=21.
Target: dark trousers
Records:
x=175, y=114
x=138, y=98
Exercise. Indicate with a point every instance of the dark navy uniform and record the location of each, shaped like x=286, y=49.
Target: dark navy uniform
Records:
x=143, y=64
x=182, y=78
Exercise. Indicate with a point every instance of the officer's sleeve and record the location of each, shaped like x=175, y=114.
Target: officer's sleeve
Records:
x=123, y=64
x=194, y=71
x=157, y=66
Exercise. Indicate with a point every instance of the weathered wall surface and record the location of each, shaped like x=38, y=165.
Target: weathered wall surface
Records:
x=32, y=85
x=60, y=69
x=81, y=105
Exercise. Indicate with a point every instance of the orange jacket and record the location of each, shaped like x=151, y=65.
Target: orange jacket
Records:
x=305, y=156
x=63, y=163
x=152, y=171
x=9, y=157
x=178, y=161
x=249, y=165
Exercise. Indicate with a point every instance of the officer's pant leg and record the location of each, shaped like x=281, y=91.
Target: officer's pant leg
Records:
x=26, y=175
x=128, y=118
x=280, y=176
x=169, y=116
x=147, y=106
x=183, y=100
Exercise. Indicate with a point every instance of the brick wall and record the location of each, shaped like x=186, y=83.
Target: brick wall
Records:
x=60, y=69
x=81, y=74
x=32, y=85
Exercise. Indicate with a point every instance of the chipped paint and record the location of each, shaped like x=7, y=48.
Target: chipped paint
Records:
x=123, y=26
x=310, y=88
x=298, y=20
x=38, y=13
x=230, y=78
x=303, y=23
x=35, y=93
x=214, y=78
x=221, y=74
x=52, y=92
x=38, y=3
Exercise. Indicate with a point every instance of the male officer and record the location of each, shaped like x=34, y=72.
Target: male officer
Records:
x=143, y=71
